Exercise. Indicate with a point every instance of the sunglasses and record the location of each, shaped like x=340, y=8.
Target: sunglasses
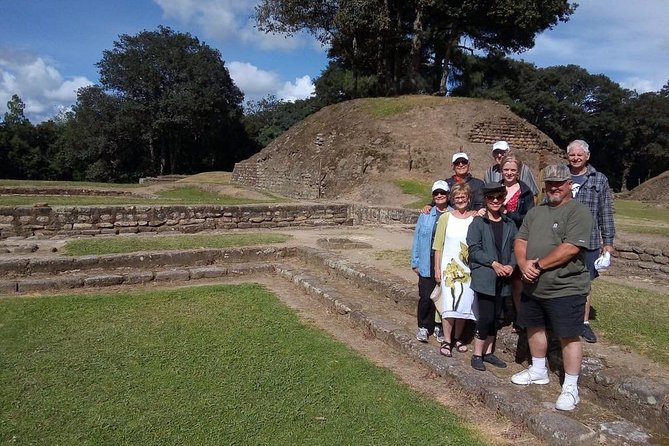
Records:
x=495, y=197
x=461, y=163
x=439, y=192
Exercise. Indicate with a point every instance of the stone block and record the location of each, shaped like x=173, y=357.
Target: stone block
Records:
x=8, y=287
x=662, y=260
x=174, y=275
x=629, y=255
x=138, y=277
x=645, y=257
x=207, y=272
x=104, y=280
x=559, y=429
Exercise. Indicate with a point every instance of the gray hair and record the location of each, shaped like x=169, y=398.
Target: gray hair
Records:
x=579, y=143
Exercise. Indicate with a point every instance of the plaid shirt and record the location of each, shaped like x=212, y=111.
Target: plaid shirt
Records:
x=596, y=195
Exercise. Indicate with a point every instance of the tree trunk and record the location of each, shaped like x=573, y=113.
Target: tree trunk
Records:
x=416, y=50
x=443, y=83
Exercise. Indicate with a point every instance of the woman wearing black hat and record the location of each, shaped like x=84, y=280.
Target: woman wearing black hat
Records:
x=491, y=260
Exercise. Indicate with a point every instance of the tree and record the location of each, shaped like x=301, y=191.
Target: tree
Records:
x=21, y=156
x=165, y=104
x=269, y=117
x=410, y=45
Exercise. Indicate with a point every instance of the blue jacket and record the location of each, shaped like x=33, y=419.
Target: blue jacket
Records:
x=482, y=252
x=421, y=250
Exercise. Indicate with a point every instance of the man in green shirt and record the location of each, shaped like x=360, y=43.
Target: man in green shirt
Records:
x=549, y=249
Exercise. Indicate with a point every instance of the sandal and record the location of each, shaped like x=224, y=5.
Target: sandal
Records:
x=459, y=346
x=446, y=349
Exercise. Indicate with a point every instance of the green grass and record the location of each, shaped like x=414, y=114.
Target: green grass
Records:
x=86, y=184
x=177, y=195
x=642, y=217
x=114, y=245
x=219, y=365
x=400, y=258
x=633, y=317
x=386, y=107
x=419, y=189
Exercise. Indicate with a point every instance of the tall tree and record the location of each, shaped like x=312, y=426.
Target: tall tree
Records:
x=165, y=104
x=410, y=45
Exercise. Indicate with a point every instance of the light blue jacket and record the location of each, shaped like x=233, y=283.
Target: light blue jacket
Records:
x=421, y=250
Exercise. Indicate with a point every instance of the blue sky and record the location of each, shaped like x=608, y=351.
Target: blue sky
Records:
x=49, y=48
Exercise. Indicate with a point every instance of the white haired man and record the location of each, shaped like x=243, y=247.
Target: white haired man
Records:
x=592, y=189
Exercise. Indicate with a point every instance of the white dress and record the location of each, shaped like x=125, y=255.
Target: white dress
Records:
x=457, y=298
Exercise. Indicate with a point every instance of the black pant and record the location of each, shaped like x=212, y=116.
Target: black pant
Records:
x=489, y=309
x=426, y=308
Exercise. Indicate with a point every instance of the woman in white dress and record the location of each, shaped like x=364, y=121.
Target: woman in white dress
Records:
x=452, y=271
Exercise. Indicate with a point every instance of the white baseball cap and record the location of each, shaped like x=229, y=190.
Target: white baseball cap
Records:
x=440, y=185
x=459, y=155
x=500, y=145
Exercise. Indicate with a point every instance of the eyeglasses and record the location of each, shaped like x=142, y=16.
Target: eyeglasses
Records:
x=498, y=154
x=461, y=163
x=436, y=193
x=495, y=197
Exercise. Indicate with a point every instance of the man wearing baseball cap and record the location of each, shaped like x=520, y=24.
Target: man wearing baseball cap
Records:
x=550, y=251
x=461, y=169
x=494, y=173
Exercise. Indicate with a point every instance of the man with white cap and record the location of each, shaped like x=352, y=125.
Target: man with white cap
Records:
x=494, y=173
x=461, y=175
x=422, y=262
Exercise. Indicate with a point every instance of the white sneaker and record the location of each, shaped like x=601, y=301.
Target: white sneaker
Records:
x=568, y=399
x=439, y=335
x=422, y=334
x=530, y=376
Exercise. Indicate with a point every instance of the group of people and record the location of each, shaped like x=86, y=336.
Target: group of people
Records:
x=482, y=242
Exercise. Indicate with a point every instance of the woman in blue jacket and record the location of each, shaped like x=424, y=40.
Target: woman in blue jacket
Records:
x=491, y=260
x=422, y=258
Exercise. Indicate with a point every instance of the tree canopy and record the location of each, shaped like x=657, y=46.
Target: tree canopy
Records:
x=165, y=104
x=409, y=45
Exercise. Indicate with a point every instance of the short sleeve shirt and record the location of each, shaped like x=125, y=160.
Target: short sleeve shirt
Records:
x=546, y=227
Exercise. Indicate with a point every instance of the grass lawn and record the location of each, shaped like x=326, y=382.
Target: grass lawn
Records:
x=224, y=365
x=114, y=245
x=642, y=217
x=633, y=317
x=420, y=189
x=176, y=195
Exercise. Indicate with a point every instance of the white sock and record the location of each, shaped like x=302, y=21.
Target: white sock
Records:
x=538, y=364
x=586, y=322
x=570, y=380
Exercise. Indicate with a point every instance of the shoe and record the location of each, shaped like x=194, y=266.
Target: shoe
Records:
x=439, y=334
x=477, y=363
x=422, y=334
x=568, y=399
x=588, y=334
x=529, y=376
x=494, y=360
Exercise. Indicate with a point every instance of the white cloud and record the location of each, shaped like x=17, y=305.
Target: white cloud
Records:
x=253, y=81
x=640, y=85
x=302, y=88
x=257, y=83
x=228, y=21
x=38, y=83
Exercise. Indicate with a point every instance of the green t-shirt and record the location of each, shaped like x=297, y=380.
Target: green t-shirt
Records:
x=546, y=227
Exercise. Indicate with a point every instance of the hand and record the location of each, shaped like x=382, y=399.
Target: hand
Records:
x=415, y=270
x=426, y=209
x=508, y=269
x=480, y=212
x=498, y=268
x=437, y=276
x=528, y=271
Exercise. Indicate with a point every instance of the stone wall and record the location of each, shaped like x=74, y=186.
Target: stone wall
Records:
x=648, y=259
x=303, y=185
x=518, y=133
x=89, y=220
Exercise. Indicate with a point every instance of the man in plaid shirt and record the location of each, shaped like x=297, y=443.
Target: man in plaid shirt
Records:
x=592, y=189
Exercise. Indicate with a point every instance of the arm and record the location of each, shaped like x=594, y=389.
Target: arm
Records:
x=606, y=224
x=477, y=252
x=414, y=246
x=438, y=244
x=527, y=266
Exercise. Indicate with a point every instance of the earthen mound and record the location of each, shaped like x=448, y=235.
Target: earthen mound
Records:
x=355, y=150
x=655, y=189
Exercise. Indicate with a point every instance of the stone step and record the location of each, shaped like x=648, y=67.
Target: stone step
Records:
x=640, y=397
